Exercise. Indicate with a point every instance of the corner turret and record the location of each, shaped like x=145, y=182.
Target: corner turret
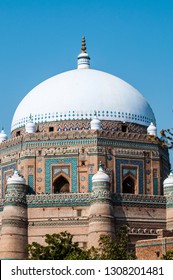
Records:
x=14, y=219
x=101, y=217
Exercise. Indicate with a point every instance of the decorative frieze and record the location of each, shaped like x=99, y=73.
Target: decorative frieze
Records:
x=15, y=223
x=85, y=199
x=58, y=200
x=101, y=219
x=62, y=222
x=140, y=201
x=142, y=231
x=15, y=199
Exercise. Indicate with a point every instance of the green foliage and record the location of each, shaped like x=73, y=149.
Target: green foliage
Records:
x=117, y=249
x=167, y=256
x=61, y=247
x=167, y=137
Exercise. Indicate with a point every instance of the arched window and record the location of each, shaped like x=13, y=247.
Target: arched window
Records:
x=129, y=185
x=61, y=185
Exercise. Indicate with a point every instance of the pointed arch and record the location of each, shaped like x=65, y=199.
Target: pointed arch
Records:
x=61, y=184
x=129, y=185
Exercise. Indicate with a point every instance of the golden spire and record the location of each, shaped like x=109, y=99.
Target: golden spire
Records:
x=83, y=45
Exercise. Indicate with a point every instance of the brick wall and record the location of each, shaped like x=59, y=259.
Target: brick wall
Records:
x=153, y=249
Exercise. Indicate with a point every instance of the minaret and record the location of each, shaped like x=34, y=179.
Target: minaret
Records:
x=14, y=220
x=101, y=217
x=83, y=57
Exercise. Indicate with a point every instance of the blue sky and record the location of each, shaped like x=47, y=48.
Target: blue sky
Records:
x=131, y=39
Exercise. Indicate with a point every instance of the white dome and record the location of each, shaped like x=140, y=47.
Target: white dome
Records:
x=168, y=185
x=78, y=94
x=168, y=181
x=100, y=176
x=16, y=179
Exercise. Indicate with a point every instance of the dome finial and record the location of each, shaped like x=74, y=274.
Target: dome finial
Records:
x=83, y=48
x=100, y=166
x=83, y=57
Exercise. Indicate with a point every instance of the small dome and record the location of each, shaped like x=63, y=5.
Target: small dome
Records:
x=16, y=179
x=95, y=123
x=100, y=176
x=168, y=185
x=3, y=136
x=152, y=130
x=30, y=126
x=168, y=181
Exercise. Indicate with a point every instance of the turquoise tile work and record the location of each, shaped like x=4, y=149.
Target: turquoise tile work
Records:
x=48, y=171
x=155, y=186
x=135, y=163
x=11, y=166
x=90, y=182
x=31, y=181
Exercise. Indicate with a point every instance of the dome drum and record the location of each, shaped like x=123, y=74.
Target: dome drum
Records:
x=72, y=115
x=81, y=125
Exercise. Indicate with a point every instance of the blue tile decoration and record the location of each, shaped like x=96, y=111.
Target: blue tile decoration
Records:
x=90, y=182
x=31, y=181
x=135, y=163
x=71, y=115
x=155, y=186
x=169, y=202
x=134, y=200
x=54, y=143
x=85, y=199
x=127, y=144
x=39, y=170
x=83, y=178
x=11, y=166
x=48, y=172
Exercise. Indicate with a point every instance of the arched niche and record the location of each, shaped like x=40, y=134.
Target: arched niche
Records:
x=61, y=185
x=128, y=185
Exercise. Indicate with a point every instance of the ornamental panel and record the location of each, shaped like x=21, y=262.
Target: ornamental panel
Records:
x=135, y=163
x=48, y=169
x=5, y=169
